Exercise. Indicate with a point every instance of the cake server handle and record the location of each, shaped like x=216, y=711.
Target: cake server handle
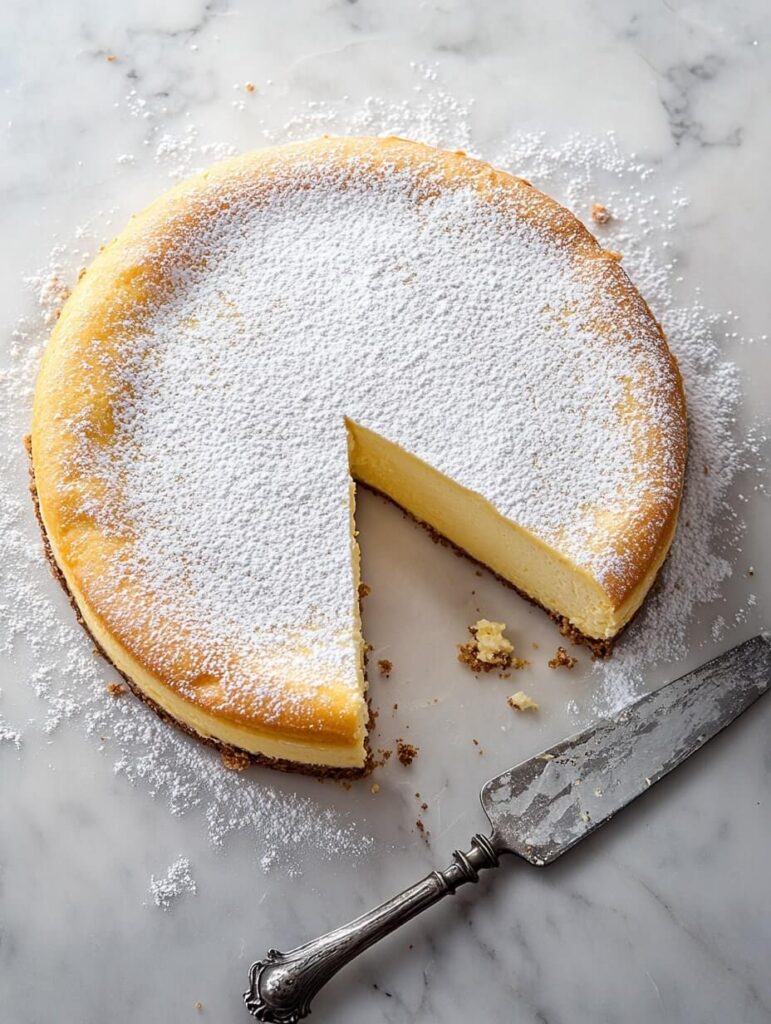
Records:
x=282, y=985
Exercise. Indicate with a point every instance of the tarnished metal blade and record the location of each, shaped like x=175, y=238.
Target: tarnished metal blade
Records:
x=542, y=807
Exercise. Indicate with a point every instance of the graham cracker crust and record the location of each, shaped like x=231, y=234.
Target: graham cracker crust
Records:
x=278, y=764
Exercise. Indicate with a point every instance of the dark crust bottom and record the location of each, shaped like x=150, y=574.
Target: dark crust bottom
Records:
x=319, y=771
x=600, y=648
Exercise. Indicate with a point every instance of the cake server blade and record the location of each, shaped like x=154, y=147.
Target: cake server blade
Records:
x=538, y=810
x=545, y=805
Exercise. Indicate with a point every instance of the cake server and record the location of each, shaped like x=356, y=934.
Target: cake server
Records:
x=538, y=810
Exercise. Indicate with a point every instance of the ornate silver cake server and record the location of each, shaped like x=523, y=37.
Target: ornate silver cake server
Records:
x=538, y=810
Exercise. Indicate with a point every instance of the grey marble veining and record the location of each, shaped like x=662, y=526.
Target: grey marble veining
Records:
x=661, y=916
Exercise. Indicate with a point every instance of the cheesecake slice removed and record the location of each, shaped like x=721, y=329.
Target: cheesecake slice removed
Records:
x=310, y=316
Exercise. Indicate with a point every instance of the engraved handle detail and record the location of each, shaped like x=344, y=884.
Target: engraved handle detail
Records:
x=282, y=985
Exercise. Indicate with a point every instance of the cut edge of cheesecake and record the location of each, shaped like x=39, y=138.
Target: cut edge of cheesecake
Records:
x=588, y=612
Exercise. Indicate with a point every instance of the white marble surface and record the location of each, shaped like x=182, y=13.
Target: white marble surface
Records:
x=663, y=916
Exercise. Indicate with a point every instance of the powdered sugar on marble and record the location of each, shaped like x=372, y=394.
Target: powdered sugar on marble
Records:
x=175, y=882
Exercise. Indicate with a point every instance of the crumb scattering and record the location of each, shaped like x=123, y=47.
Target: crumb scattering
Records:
x=235, y=760
x=385, y=667
x=250, y=87
x=406, y=752
x=489, y=648
x=562, y=659
x=383, y=756
x=422, y=829
x=520, y=701
x=374, y=788
x=364, y=591
x=600, y=214
x=115, y=689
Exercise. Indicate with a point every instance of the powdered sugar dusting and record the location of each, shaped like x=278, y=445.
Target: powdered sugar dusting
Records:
x=175, y=882
x=464, y=330
x=190, y=778
x=9, y=735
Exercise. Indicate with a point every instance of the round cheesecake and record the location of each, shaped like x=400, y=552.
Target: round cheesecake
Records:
x=310, y=316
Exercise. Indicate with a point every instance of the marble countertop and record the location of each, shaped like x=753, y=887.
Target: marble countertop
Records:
x=665, y=915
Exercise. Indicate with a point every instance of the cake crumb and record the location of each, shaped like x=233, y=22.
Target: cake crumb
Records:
x=488, y=649
x=383, y=756
x=375, y=787
x=385, y=667
x=406, y=752
x=198, y=1005
x=364, y=591
x=562, y=659
x=521, y=702
x=235, y=760
x=600, y=214
x=250, y=87
x=115, y=689
x=111, y=57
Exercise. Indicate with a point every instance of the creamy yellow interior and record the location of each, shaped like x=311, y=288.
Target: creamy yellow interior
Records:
x=472, y=523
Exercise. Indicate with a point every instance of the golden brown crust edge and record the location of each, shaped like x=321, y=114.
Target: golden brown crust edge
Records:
x=318, y=771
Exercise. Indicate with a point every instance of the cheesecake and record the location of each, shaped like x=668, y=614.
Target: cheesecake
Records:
x=308, y=318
